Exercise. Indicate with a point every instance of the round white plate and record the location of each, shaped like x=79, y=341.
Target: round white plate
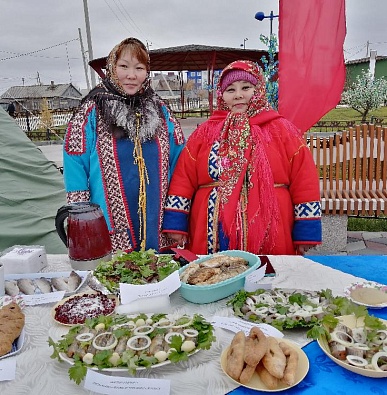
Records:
x=352, y=322
x=256, y=384
x=348, y=292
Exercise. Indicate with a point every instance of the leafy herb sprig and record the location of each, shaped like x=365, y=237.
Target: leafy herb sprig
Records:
x=135, y=267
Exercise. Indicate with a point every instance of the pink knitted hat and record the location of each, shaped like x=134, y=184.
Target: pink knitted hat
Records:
x=236, y=75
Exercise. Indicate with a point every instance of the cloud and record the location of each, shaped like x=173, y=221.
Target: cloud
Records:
x=30, y=26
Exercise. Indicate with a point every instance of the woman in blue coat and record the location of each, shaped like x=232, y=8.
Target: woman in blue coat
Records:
x=120, y=149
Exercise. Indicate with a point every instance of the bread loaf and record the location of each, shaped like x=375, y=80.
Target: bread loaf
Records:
x=11, y=324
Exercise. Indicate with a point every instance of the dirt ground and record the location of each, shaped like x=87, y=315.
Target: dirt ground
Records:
x=190, y=124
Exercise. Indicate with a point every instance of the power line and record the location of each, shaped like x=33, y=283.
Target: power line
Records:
x=127, y=17
x=38, y=50
x=119, y=20
x=43, y=56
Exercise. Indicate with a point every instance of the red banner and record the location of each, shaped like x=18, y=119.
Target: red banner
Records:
x=311, y=59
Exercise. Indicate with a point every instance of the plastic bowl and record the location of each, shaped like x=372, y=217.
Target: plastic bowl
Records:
x=211, y=293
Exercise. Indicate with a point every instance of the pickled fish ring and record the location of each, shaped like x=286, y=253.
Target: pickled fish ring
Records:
x=164, y=323
x=356, y=361
x=340, y=337
x=113, y=341
x=261, y=310
x=190, y=332
x=375, y=359
x=188, y=323
x=84, y=337
x=139, y=337
x=130, y=325
x=143, y=330
x=170, y=334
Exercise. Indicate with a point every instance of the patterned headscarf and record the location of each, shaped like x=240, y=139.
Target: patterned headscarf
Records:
x=122, y=111
x=248, y=208
x=139, y=51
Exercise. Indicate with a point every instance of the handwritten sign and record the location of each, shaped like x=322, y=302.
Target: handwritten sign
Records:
x=8, y=369
x=235, y=325
x=252, y=280
x=31, y=300
x=130, y=292
x=114, y=385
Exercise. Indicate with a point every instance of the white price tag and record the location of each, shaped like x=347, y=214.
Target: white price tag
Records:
x=115, y=385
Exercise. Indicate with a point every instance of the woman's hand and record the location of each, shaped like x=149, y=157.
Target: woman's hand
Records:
x=180, y=239
x=301, y=249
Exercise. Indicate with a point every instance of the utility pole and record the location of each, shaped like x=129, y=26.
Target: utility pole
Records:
x=84, y=59
x=90, y=47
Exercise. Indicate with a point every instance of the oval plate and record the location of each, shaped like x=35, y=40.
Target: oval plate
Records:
x=121, y=370
x=370, y=285
x=351, y=322
x=63, y=301
x=256, y=384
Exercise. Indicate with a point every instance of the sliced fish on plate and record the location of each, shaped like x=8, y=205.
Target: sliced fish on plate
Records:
x=11, y=288
x=26, y=286
x=43, y=285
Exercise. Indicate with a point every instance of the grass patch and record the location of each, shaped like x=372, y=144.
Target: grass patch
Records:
x=349, y=114
x=367, y=224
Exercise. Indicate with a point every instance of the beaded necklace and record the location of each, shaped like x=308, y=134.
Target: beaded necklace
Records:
x=144, y=179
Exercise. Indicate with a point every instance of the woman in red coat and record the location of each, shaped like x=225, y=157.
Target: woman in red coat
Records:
x=245, y=179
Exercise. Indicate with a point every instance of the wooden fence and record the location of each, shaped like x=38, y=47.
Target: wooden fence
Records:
x=352, y=167
x=33, y=122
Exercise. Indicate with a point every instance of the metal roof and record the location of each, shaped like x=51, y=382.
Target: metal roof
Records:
x=364, y=60
x=191, y=58
x=38, y=91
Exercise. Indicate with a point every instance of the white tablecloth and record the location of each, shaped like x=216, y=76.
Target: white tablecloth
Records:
x=38, y=374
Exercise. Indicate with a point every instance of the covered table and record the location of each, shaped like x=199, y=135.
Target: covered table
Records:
x=38, y=374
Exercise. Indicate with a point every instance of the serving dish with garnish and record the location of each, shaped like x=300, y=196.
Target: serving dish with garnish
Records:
x=216, y=276
x=285, y=308
x=130, y=343
x=136, y=267
x=357, y=343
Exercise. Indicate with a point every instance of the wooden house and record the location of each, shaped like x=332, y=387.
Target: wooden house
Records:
x=59, y=97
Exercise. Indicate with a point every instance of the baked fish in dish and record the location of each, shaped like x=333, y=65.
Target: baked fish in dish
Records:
x=218, y=268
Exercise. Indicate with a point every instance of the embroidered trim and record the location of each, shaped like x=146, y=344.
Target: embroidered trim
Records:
x=116, y=206
x=120, y=241
x=76, y=135
x=212, y=223
x=163, y=144
x=178, y=203
x=78, y=196
x=308, y=210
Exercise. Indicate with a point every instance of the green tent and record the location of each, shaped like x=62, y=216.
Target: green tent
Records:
x=31, y=191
